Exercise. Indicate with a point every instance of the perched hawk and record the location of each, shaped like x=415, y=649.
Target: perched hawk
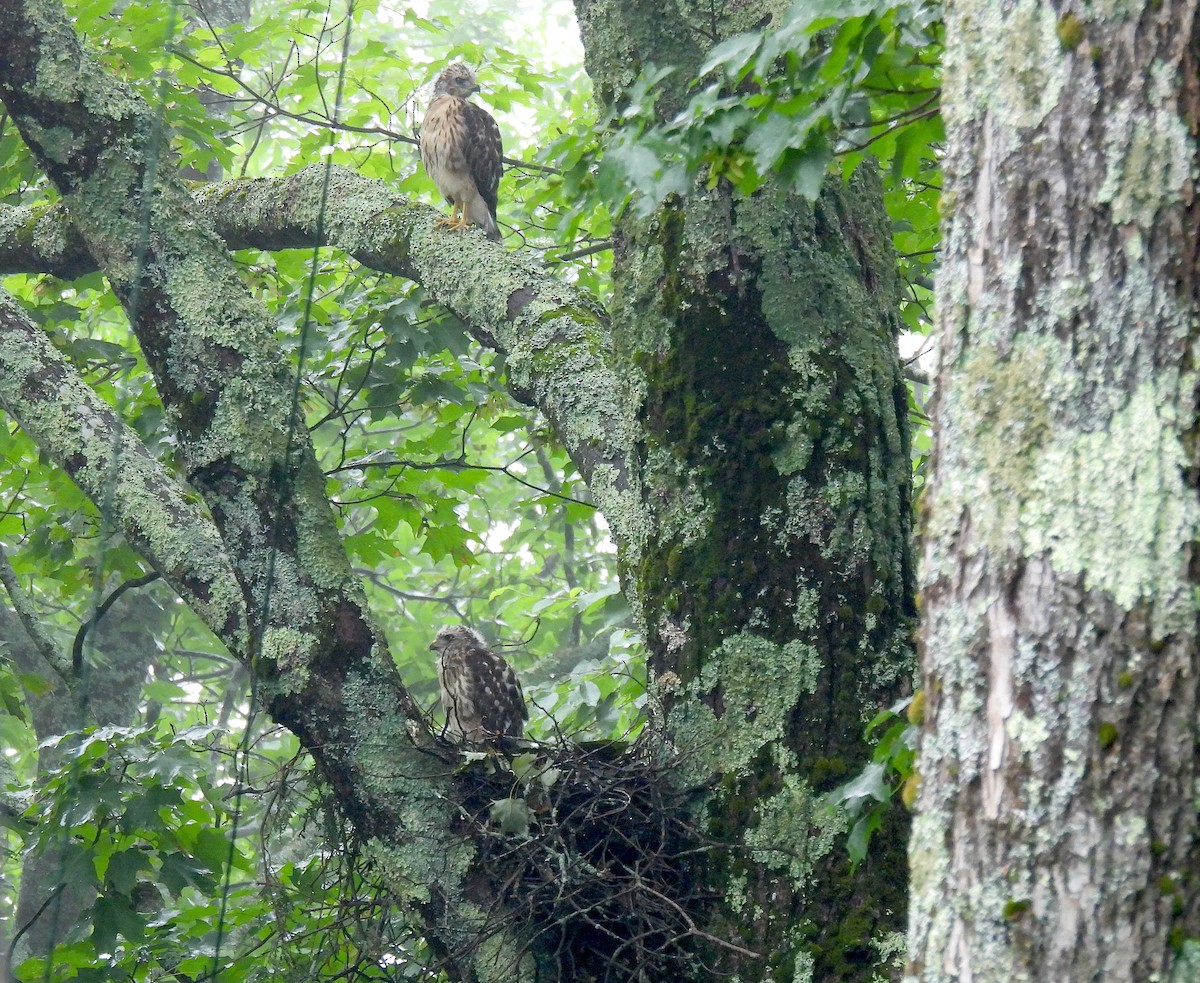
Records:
x=460, y=147
x=480, y=692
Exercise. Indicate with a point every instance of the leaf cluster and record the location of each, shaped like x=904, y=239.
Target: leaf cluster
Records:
x=829, y=83
x=134, y=822
x=868, y=797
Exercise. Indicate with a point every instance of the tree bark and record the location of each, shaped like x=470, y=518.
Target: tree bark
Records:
x=1056, y=835
x=320, y=666
x=756, y=339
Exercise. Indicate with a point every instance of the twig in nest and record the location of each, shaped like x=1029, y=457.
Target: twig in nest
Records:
x=603, y=879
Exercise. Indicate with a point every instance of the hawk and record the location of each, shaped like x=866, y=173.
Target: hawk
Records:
x=461, y=151
x=480, y=693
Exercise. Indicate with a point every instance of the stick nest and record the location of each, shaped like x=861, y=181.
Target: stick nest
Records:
x=589, y=851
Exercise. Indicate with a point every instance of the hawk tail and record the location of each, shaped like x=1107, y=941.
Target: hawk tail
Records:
x=479, y=214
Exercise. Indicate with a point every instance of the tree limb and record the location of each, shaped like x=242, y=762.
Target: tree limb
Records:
x=554, y=336
x=321, y=667
x=82, y=434
x=24, y=610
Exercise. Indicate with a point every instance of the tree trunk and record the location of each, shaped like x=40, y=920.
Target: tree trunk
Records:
x=1056, y=835
x=756, y=337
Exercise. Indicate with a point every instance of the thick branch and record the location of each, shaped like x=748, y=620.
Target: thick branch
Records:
x=41, y=240
x=212, y=350
x=82, y=434
x=554, y=336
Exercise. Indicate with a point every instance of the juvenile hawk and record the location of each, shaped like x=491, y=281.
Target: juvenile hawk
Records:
x=461, y=151
x=480, y=693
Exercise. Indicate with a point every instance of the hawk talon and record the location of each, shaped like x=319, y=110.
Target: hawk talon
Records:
x=454, y=222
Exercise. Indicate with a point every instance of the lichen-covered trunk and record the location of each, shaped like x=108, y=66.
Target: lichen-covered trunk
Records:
x=757, y=339
x=274, y=581
x=1056, y=834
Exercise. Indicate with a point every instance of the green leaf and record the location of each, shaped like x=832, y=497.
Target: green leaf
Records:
x=113, y=915
x=860, y=835
x=870, y=784
x=734, y=56
x=895, y=710
x=806, y=171
x=513, y=816
x=509, y=424
x=124, y=868
x=449, y=541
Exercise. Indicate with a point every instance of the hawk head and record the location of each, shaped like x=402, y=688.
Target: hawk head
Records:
x=451, y=634
x=456, y=80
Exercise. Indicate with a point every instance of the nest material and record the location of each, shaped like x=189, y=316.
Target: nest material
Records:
x=600, y=879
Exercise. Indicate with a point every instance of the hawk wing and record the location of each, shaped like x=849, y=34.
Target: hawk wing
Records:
x=499, y=698
x=480, y=692
x=484, y=152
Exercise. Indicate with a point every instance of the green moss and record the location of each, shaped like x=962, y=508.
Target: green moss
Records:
x=1070, y=31
x=1008, y=57
x=1009, y=416
x=1144, y=172
x=916, y=709
x=760, y=337
x=1015, y=909
x=777, y=818
x=827, y=773
x=757, y=685
x=1107, y=735
x=721, y=433
x=499, y=958
x=1054, y=483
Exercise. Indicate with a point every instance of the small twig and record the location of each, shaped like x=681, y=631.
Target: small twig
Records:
x=855, y=147
x=100, y=612
x=455, y=465
x=597, y=247
x=691, y=925
x=8, y=957
x=914, y=112
x=277, y=110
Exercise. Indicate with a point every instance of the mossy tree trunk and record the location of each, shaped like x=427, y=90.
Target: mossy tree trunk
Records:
x=756, y=337
x=1056, y=834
